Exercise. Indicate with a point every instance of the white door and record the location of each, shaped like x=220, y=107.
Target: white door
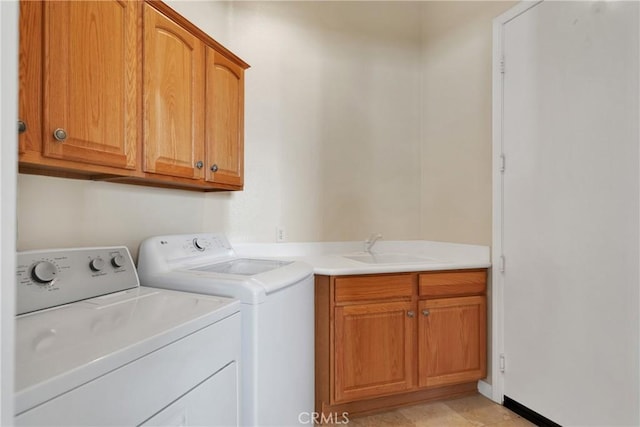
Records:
x=570, y=198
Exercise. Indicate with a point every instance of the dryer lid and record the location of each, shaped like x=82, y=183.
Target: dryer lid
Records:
x=63, y=347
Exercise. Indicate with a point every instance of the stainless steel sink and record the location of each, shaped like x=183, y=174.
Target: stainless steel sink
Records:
x=389, y=258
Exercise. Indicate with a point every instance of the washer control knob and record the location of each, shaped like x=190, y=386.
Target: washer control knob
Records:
x=96, y=264
x=198, y=245
x=44, y=272
x=118, y=261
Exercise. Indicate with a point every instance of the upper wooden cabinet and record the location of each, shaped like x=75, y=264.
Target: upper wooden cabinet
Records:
x=193, y=104
x=79, y=98
x=30, y=80
x=173, y=90
x=128, y=91
x=224, y=119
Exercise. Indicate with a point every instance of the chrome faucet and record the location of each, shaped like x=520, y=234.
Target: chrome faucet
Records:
x=368, y=244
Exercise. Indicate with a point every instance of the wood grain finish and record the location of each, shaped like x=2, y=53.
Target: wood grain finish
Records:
x=224, y=119
x=451, y=340
x=374, y=350
x=30, y=76
x=453, y=283
x=81, y=70
x=374, y=287
x=89, y=87
x=173, y=98
x=185, y=23
x=370, y=355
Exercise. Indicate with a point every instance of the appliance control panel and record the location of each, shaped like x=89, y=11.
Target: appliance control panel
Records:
x=192, y=246
x=49, y=278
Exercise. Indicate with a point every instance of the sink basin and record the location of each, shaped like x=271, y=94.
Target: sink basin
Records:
x=389, y=258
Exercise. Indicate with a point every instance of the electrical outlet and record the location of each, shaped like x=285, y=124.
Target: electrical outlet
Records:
x=281, y=234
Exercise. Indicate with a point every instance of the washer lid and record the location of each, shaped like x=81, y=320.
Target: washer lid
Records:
x=244, y=266
x=63, y=347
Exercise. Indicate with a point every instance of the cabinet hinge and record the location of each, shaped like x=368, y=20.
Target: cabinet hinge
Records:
x=502, y=263
x=502, y=65
x=502, y=362
x=503, y=162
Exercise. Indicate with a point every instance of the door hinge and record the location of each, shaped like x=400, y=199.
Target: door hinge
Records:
x=502, y=263
x=503, y=162
x=502, y=362
x=502, y=65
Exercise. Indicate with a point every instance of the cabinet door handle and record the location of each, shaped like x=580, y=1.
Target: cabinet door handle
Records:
x=426, y=312
x=214, y=168
x=199, y=164
x=411, y=313
x=60, y=134
x=22, y=126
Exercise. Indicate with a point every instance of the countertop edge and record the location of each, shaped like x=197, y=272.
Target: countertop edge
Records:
x=384, y=269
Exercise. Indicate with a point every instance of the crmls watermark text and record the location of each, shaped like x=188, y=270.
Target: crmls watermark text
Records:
x=318, y=418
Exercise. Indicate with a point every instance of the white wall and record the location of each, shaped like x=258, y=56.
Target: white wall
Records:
x=8, y=149
x=360, y=117
x=332, y=120
x=331, y=132
x=456, y=120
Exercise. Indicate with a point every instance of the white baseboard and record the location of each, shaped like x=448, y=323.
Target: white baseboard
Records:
x=485, y=389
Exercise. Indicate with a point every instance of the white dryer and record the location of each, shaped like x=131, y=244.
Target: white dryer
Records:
x=277, y=317
x=93, y=348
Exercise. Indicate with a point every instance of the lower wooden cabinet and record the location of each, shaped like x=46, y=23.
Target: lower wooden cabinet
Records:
x=452, y=340
x=388, y=340
x=374, y=349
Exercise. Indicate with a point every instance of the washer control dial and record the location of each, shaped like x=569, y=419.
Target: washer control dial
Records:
x=198, y=244
x=96, y=264
x=118, y=261
x=44, y=272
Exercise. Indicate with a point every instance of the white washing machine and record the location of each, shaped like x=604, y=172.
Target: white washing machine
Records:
x=277, y=317
x=93, y=348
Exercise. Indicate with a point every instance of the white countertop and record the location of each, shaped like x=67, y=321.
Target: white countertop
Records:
x=328, y=258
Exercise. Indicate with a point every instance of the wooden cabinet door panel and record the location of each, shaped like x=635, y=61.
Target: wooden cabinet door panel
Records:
x=225, y=120
x=452, y=283
x=374, y=287
x=90, y=86
x=30, y=76
x=173, y=98
x=451, y=341
x=374, y=350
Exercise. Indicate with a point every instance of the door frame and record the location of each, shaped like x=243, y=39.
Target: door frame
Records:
x=8, y=177
x=497, y=276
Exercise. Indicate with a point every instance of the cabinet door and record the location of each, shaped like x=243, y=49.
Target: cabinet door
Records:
x=173, y=98
x=224, y=119
x=374, y=350
x=89, y=86
x=451, y=340
x=30, y=76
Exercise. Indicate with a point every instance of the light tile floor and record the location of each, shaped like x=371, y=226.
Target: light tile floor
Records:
x=471, y=411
